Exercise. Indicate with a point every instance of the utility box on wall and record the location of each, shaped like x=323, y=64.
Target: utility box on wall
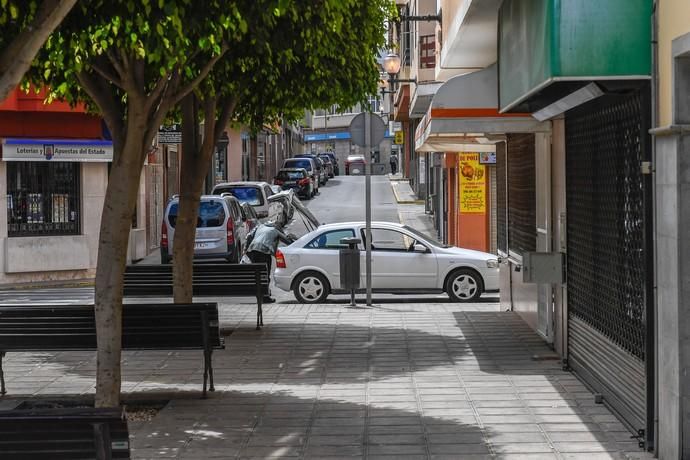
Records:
x=543, y=267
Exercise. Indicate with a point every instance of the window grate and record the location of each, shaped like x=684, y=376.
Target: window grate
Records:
x=43, y=198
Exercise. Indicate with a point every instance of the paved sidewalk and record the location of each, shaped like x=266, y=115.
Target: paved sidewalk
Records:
x=398, y=380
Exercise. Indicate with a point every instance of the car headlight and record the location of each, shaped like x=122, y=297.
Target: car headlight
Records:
x=492, y=263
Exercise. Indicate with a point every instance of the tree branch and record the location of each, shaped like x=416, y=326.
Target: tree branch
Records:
x=189, y=87
x=106, y=74
x=117, y=65
x=16, y=58
x=110, y=110
x=227, y=107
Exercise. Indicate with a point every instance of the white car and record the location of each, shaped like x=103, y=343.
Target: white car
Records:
x=404, y=261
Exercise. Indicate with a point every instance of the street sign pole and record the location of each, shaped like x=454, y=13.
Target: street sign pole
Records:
x=367, y=180
x=367, y=130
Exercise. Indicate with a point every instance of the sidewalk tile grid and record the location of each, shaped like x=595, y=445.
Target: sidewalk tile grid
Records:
x=399, y=381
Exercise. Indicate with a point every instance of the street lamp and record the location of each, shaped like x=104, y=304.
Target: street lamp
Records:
x=391, y=64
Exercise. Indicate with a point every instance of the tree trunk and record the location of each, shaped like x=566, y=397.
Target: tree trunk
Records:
x=196, y=161
x=120, y=199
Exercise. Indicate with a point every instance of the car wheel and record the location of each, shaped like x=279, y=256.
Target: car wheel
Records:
x=310, y=287
x=464, y=285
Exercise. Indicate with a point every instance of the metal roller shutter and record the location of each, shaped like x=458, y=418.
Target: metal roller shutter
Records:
x=608, y=226
x=522, y=213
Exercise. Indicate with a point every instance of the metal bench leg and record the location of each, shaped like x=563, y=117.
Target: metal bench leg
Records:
x=259, y=301
x=207, y=347
x=210, y=370
x=2, y=375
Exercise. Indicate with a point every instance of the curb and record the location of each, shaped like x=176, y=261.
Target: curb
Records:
x=399, y=201
x=48, y=285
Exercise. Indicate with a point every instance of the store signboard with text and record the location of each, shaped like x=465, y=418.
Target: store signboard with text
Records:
x=472, y=184
x=21, y=149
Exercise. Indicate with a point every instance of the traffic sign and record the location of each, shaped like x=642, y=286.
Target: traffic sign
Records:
x=378, y=130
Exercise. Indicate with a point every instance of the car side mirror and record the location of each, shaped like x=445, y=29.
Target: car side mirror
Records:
x=420, y=248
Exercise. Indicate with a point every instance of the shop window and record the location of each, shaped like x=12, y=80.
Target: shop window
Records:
x=43, y=198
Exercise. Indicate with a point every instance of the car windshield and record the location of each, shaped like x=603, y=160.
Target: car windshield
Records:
x=211, y=214
x=425, y=238
x=299, y=163
x=290, y=175
x=244, y=194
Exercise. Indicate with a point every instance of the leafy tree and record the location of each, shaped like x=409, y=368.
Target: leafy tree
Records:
x=24, y=27
x=298, y=55
x=131, y=61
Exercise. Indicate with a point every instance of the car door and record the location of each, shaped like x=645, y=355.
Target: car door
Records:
x=394, y=263
x=324, y=252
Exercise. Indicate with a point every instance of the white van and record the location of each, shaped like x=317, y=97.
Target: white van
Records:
x=254, y=193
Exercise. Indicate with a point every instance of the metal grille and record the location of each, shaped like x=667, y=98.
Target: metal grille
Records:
x=605, y=202
x=522, y=206
x=501, y=199
x=43, y=198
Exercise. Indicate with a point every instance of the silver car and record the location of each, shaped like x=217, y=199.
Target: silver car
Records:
x=220, y=231
x=404, y=261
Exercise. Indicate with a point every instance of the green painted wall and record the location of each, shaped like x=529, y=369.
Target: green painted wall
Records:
x=542, y=39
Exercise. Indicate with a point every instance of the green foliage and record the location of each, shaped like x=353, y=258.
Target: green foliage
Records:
x=166, y=36
x=301, y=55
x=15, y=15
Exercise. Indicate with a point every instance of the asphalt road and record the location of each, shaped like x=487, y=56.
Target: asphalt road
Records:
x=342, y=200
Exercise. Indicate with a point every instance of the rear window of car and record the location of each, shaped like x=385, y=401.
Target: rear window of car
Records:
x=290, y=175
x=244, y=194
x=211, y=214
x=298, y=163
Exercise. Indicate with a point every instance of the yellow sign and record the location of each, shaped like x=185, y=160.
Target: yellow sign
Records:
x=472, y=184
x=399, y=137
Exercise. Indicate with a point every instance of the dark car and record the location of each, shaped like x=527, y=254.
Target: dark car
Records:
x=336, y=166
x=322, y=174
x=310, y=165
x=296, y=179
x=330, y=169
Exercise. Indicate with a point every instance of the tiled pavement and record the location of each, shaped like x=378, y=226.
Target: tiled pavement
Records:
x=398, y=380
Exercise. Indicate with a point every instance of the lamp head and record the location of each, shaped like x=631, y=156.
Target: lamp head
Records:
x=391, y=63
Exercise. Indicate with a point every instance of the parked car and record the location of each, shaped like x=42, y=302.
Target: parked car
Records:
x=336, y=166
x=220, y=229
x=250, y=216
x=330, y=170
x=254, y=193
x=310, y=165
x=354, y=164
x=404, y=261
x=296, y=179
x=323, y=175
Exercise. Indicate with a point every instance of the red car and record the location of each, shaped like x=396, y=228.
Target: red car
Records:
x=354, y=165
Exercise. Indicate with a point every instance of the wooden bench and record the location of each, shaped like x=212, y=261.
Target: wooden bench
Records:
x=86, y=433
x=144, y=327
x=210, y=280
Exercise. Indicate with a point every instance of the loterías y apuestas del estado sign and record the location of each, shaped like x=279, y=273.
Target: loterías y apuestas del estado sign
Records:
x=83, y=150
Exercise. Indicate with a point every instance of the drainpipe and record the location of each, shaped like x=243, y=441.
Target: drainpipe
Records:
x=652, y=349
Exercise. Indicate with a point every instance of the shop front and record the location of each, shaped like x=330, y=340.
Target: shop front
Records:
x=464, y=125
x=53, y=191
